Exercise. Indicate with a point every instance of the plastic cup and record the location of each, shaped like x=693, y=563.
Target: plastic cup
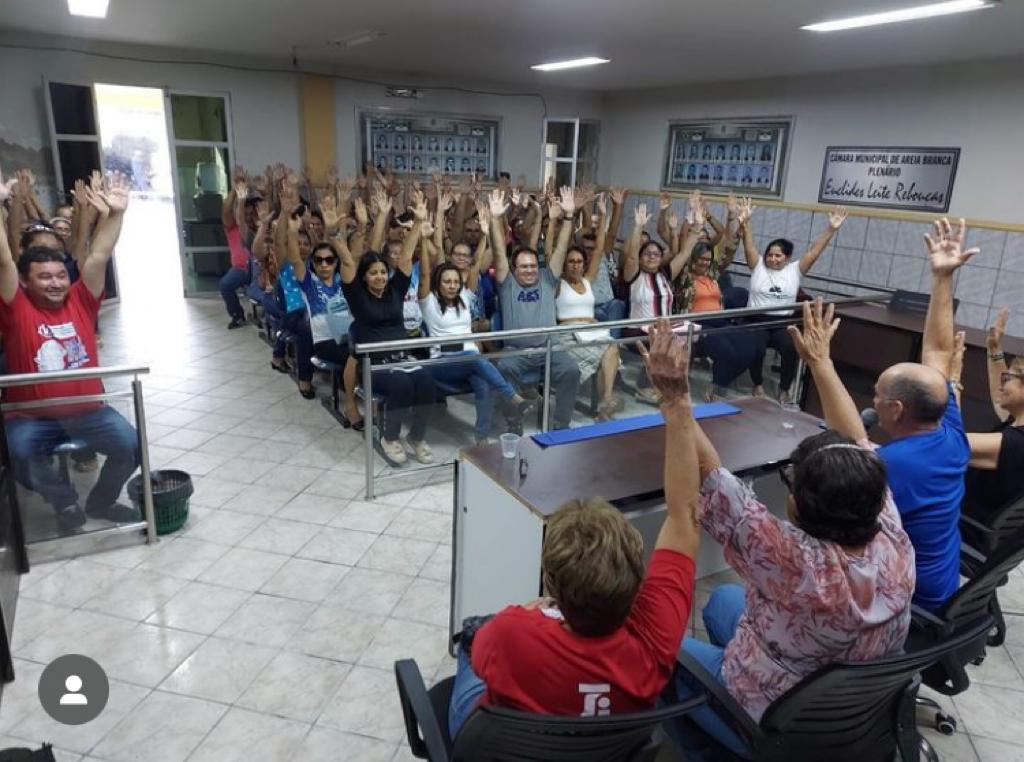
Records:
x=509, y=445
x=788, y=410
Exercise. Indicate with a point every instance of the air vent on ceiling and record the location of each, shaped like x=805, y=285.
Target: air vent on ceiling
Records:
x=355, y=39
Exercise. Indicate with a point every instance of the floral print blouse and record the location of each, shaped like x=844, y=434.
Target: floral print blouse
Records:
x=809, y=603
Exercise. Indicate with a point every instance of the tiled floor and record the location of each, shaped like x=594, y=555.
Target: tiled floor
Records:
x=266, y=629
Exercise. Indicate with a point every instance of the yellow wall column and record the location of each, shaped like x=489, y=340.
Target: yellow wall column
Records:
x=318, y=124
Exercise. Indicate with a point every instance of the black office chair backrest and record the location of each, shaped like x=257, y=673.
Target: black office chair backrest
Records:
x=1007, y=522
x=849, y=711
x=503, y=735
x=973, y=599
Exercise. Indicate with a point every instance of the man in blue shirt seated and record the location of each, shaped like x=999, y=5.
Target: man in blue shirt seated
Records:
x=928, y=454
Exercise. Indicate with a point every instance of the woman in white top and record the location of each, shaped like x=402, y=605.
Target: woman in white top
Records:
x=444, y=302
x=574, y=303
x=775, y=279
x=650, y=277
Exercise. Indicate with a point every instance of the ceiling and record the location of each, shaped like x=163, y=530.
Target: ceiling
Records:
x=651, y=42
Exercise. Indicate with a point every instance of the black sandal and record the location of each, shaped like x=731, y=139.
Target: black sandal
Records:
x=284, y=367
x=309, y=393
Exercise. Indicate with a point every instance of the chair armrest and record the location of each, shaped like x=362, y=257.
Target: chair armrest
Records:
x=974, y=524
x=418, y=713
x=972, y=553
x=721, y=700
x=925, y=620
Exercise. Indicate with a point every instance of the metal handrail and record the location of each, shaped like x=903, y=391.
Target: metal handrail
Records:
x=79, y=374
x=557, y=330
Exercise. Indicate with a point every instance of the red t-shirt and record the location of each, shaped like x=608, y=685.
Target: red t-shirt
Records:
x=39, y=340
x=239, y=254
x=529, y=661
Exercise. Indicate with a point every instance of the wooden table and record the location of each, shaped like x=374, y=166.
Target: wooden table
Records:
x=499, y=514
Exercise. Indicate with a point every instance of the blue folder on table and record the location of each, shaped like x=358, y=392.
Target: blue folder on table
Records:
x=622, y=425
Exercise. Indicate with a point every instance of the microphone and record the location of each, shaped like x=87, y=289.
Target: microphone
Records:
x=869, y=417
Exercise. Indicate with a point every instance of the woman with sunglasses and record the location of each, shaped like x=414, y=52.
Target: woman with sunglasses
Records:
x=830, y=582
x=445, y=300
x=996, y=472
x=649, y=278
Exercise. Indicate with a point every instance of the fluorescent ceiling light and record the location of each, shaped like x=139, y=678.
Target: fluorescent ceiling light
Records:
x=96, y=9
x=903, y=14
x=573, y=64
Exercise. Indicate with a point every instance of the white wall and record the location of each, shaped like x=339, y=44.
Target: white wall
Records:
x=265, y=107
x=978, y=107
x=522, y=118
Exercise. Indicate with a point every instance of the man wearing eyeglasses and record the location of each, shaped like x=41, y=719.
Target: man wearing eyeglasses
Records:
x=928, y=454
x=49, y=325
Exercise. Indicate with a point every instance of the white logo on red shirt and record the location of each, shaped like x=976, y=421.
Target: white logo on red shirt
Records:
x=63, y=349
x=596, y=702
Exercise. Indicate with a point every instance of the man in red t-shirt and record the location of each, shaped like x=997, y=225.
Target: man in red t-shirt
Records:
x=606, y=640
x=49, y=325
x=238, y=215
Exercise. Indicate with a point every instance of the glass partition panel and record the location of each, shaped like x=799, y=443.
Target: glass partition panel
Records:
x=73, y=112
x=560, y=170
x=71, y=462
x=560, y=140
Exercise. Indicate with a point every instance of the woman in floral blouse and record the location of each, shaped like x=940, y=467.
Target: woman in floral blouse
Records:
x=833, y=583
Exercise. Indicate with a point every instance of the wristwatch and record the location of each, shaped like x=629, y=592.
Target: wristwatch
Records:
x=996, y=356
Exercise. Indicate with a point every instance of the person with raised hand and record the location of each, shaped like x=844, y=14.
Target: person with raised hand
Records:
x=929, y=452
x=238, y=218
x=996, y=472
x=604, y=619
x=775, y=279
x=49, y=325
x=527, y=296
x=575, y=304
x=376, y=297
x=830, y=582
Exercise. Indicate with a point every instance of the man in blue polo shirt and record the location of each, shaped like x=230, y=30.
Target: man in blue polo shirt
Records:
x=928, y=454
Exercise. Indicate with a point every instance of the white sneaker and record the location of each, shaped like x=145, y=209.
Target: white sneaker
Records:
x=393, y=451
x=649, y=395
x=419, y=450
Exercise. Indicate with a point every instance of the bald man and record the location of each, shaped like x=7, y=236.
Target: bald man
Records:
x=928, y=454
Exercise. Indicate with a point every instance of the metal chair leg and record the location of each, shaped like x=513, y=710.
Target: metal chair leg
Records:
x=928, y=752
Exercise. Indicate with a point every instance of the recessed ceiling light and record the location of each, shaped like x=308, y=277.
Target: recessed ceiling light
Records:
x=902, y=14
x=96, y=9
x=359, y=38
x=573, y=64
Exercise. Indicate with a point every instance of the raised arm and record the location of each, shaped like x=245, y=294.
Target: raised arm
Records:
x=597, y=258
x=997, y=360
x=813, y=344
x=498, y=207
x=668, y=365
x=836, y=218
x=534, y=221
x=663, y=226
x=227, y=211
x=444, y=203
x=743, y=216
x=8, y=270
x=618, y=196
x=85, y=216
x=426, y=270
x=16, y=220
x=631, y=266
x=946, y=256
x=695, y=217
x=111, y=204
x=412, y=239
x=567, y=203
x=32, y=205
x=382, y=209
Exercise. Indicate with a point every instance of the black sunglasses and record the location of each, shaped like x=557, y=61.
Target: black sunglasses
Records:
x=325, y=260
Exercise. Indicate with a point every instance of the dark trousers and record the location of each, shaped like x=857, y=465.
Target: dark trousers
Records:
x=565, y=378
x=778, y=339
x=410, y=394
x=31, y=440
x=730, y=352
x=229, y=284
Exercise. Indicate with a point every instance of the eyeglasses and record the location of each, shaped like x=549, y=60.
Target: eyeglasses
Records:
x=786, y=475
x=654, y=253
x=324, y=260
x=1007, y=376
x=39, y=227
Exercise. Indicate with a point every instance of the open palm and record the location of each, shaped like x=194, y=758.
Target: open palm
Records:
x=945, y=247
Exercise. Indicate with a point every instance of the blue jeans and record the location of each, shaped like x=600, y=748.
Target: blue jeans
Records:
x=229, y=284
x=522, y=370
x=466, y=694
x=613, y=309
x=31, y=440
x=721, y=617
x=484, y=378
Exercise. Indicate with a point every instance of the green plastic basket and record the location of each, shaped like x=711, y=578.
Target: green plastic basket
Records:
x=171, y=493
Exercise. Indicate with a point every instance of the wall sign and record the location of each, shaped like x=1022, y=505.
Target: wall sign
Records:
x=915, y=179
x=745, y=155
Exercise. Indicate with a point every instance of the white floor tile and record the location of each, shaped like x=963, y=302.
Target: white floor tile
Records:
x=397, y=554
x=266, y=620
x=199, y=608
x=244, y=736
x=323, y=744
x=370, y=591
x=279, y=536
x=305, y=580
x=219, y=670
x=243, y=569
x=337, y=546
x=366, y=703
x=295, y=685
